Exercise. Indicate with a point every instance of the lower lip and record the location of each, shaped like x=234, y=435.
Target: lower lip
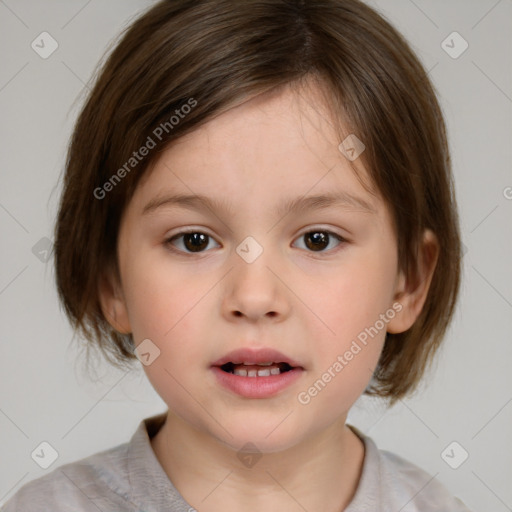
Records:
x=257, y=387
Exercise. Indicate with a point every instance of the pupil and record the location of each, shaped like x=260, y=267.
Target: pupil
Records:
x=195, y=242
x=319, y=238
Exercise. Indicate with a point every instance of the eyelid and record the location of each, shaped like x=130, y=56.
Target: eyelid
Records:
x=324, y=229
x=184, y=231
x=188, y=230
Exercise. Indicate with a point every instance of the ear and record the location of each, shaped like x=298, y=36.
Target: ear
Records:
x=113, y=303
x=411, y=291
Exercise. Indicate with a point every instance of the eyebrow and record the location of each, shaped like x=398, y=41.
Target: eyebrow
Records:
x=293, y=205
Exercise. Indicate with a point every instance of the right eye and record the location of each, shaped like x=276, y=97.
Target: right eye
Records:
x=191, y=241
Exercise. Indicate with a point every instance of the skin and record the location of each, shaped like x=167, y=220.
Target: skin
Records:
x=310, y=305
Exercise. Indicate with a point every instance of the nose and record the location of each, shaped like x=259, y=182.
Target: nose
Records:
x=255, y=291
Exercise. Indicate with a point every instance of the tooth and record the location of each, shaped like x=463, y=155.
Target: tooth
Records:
x=263, y=373
x=252, y=373
x=240, y=371
x=266, y=364
x=275, y=371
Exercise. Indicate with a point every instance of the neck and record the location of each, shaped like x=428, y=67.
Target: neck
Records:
x=321, y=473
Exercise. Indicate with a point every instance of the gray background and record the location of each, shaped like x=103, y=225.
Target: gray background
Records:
x=46, y=396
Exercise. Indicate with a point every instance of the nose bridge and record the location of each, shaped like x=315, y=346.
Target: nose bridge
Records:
x=254, y=290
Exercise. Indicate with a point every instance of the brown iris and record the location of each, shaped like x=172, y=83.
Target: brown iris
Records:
x=319, y=240
x=195, y=242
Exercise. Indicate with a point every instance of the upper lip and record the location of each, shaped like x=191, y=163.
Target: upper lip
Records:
x=260, y=355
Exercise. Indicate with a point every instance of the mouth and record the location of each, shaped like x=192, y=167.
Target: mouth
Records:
x=260, y=373
x=260, y=362
x=249, y=369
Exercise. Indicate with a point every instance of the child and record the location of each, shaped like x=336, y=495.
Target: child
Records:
x=258, y=205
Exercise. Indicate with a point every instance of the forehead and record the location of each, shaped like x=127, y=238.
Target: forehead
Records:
x=268, y=152
x=293, y=118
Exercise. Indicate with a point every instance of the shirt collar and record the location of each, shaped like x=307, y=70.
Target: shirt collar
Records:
x=151, y=489
x=368, y=491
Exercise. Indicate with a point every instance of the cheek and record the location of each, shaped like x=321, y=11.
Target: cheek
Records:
x=168, y=307
x=353, y=297
x=159, y=298
x=167, y=310
x=351, y=303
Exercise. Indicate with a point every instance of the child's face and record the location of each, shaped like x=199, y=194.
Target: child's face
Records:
x=308, y=304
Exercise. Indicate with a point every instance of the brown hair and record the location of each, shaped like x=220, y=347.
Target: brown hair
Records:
x=211, y=54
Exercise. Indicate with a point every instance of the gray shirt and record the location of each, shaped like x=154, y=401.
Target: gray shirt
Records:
x=129, y=478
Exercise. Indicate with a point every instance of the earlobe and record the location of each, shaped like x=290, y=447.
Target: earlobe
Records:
x=113, y=303
x=411, y=291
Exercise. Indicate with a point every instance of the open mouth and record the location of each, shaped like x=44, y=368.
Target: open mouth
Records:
x=260, y=373
x=256, y=369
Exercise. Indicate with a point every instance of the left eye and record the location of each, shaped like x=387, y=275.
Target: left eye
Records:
x=318, y=240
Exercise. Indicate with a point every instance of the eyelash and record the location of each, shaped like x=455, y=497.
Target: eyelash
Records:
x=168, y=242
